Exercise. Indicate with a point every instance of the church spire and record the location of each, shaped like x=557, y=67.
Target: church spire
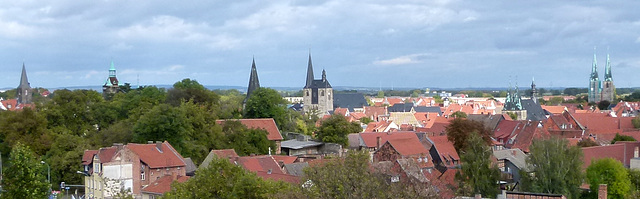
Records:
x=607, y=70
x=24, y=89
x=254, y=83
x=534, y=91
x=112, y=70
x=309, y=73
x=594, y=67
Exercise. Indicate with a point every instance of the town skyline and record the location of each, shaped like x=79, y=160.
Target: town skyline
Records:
x=441, y=44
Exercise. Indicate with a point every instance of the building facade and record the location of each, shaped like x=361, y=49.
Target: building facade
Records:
x=317, y=94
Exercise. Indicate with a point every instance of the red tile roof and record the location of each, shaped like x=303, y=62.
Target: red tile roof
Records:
x=260, y=163
x=506, y=129
x=285, y=159
x=408, y=146
x=225, y=153
x=163, y=185
x=597, y=123
x=268, y=124
x=370, y=139
x=554, y=109
x=615, y=151
x=373, y=111
x=278, y=177
x=153, y=157
x=444, y=147
x=87, y=157
x=341, y=111
x=106, y=154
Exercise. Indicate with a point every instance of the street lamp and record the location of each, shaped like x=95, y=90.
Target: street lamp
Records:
x=48, y=171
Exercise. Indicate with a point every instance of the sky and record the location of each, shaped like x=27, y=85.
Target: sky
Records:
x=366, y=43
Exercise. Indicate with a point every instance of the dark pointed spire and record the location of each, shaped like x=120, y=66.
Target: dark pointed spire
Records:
x=324, y=76
x=24, y=81
x=309, y=73
x=24, y=89
x=254, y=82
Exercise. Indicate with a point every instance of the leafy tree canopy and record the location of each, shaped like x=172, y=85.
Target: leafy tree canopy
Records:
x=336, y=129
x=619, y=137
x=612, y=173
x=25, y=177
x=555, y=167
x=266, y=103
x=478, y=173
x=459, y=129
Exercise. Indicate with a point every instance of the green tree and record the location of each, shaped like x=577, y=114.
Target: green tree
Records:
x=352, y=177
x=636, y=122
x=63, y=157
x=478, y=173
x=459, y=129
x=555, y=168
x=604, y=105
x=365, y=120
x=222, y=179
x=266, y=103
x=163, y=122
x=336, y=128
x=25, y=126
x=634, y=176
x=72, y=110
x=380, y=94
x=191, y=90
x=246, y=141
x=230, y=104
x=612, y=173
x=555, y=101
x=459, y=114
x=512, y=115
x=619, y=137
x=25, y=177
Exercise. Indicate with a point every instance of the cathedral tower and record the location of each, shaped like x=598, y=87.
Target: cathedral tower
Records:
x=317, y=94
x=111, y=85
x=594, y=82
x=608, y=89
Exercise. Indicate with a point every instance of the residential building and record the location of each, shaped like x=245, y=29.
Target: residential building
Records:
x=131, y=169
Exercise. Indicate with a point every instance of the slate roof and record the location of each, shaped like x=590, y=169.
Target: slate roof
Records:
x=349, y=100
x=428, y=109
x=191, y=167
x=444, y=147
x=489, y=121
x=223, y=153
x=296, y=144
x=515, y=156
x=267, y=124
x=318, y=83
x=155, y=158
x=296, y=169
x=534, y=110
x=163, y=185
x=401, y=107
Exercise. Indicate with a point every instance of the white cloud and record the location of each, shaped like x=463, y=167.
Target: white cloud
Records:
x=406, y=59
x=14, y=29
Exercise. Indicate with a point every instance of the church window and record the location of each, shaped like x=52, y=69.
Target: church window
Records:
x=307, y=93
x=321, y=93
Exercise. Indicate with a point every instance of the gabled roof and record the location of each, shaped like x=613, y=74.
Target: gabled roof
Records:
x=375, y=111
x=411, y=169
x=164, y=157
x=341, y=111
x=369, y=139
x=534, y=111
x=515, y=156
x=524, y=137
x=297, y=144
x=401, y=107
x=428, y=109
x=267, y=124
x=426, y=119
x=285, y=159
x=106, y=154
x=259, y=163
x=597, y=123
x=296, y=169
x=554, y=109
x=163, y=185
x=278, y=177
x=489, y=121
x=408, y=146
x=403, y=118
x=506, y=129
x=223, y=153
x=87, y=157
x=444, y=147
x=10, y=104
x=349, y=100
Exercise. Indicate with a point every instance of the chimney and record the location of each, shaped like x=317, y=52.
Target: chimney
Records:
x=159, y=146
x=149, y=142
x=118, y=146
x=378, y=140
x=602, y=191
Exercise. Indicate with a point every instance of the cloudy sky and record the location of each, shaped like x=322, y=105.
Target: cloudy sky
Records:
x=413, y=43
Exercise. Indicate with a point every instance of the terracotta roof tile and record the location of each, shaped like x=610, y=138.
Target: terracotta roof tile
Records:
x=554, y=109
x=106, y=154
x=87, y=157
x=285, y=159
x=153, y=157
x=225, y=153
x=268, y=124
x=370, y=139
x=408, y=146
x=444, y=147
x=260, y=163
x=163, y=185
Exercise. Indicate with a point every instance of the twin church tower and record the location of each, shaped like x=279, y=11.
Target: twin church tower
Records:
x=601, y=90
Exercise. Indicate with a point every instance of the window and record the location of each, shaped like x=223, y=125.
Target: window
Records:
x=636, y=152
x=321, y=93
x=142, y=176
x=307, y=93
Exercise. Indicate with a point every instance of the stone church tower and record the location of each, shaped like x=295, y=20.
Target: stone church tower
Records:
x=317, y=94
x=608, y=89
x=24, y=89
x=594, y=82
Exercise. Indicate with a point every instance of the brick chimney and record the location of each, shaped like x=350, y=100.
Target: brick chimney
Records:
x=602, y=191
x=159, y=146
